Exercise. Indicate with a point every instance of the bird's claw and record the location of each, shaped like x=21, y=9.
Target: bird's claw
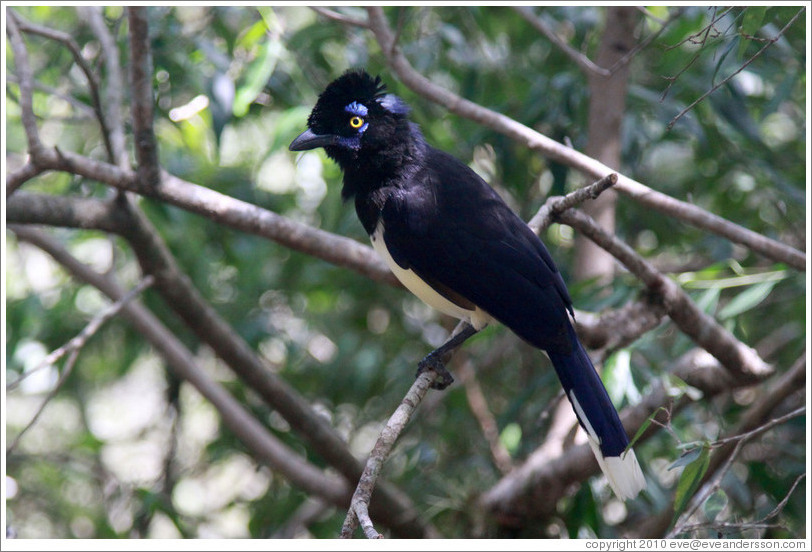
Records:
x=435, y=364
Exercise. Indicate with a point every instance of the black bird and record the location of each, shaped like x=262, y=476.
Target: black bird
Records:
x=453, y=242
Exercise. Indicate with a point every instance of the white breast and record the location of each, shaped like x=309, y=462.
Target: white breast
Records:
x=477, y=317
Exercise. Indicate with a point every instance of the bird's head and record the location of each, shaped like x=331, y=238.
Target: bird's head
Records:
x=355, y=119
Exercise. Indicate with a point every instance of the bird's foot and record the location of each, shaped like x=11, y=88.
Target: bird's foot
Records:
x=435, y=363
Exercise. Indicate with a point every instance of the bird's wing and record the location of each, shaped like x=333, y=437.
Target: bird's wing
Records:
x=459, y=237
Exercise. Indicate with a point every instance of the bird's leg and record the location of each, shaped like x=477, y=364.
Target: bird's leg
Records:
x=436, y=359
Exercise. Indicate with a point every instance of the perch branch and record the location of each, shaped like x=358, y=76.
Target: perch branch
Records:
x=358, y=512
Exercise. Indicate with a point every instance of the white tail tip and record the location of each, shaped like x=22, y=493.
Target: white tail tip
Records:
x=623, y=472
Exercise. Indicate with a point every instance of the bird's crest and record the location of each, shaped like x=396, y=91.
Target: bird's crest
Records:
x=354, y=91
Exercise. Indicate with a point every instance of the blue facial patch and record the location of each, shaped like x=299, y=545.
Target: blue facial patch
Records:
x=357, y=109
x=351, y=142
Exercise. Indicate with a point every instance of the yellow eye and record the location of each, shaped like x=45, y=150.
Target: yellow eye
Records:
x=356, y=122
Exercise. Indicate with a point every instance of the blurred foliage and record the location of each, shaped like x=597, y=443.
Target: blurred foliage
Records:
x=122, y=451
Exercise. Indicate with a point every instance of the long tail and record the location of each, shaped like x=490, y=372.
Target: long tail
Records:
x=598, y=417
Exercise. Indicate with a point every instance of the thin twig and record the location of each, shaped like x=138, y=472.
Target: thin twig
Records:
x=80, y=339
x=115, y=83
x=746, y=525
x=642, y=45
x=716, y=481
x=23, y=66
x=92, y=81
x=358, y=511
x=579, y=58
x=87, y=111
x=72, y=348
x=340, y=17
x=555, y=206
x=487, y=423
x=758, y=524
x=770, y=396
x=761, y=429
x=769, y=43
x=706, y=32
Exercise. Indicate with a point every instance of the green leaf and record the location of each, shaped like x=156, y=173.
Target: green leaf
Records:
x=690, y=478
x=751, y=23
x=686, y=458
x=510, y=437
x=715, y=504
x=257, y=75
x=746, y=300
x=644, y=426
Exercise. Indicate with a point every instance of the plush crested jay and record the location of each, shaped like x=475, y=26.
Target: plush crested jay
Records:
x=453, y=242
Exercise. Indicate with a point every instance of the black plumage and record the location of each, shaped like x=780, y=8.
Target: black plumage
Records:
x=455, y=243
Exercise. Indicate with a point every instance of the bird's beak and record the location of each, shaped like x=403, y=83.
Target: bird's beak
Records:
x=310, y=140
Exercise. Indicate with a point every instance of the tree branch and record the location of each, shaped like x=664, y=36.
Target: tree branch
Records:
x=737, y=357
x=146, y=147
x=532, y=490
x=92, y=81
x=580, y=59
x=232, y=212
x=267, y=448
x=29, y=120
x=769, y=43
x=115, y=83
x=788, y=383
x=73, y=348
x=340, y=17
x=554, y=206
x=17, y=178
x=615, y=329
x=358, y=512
x=538, y=142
